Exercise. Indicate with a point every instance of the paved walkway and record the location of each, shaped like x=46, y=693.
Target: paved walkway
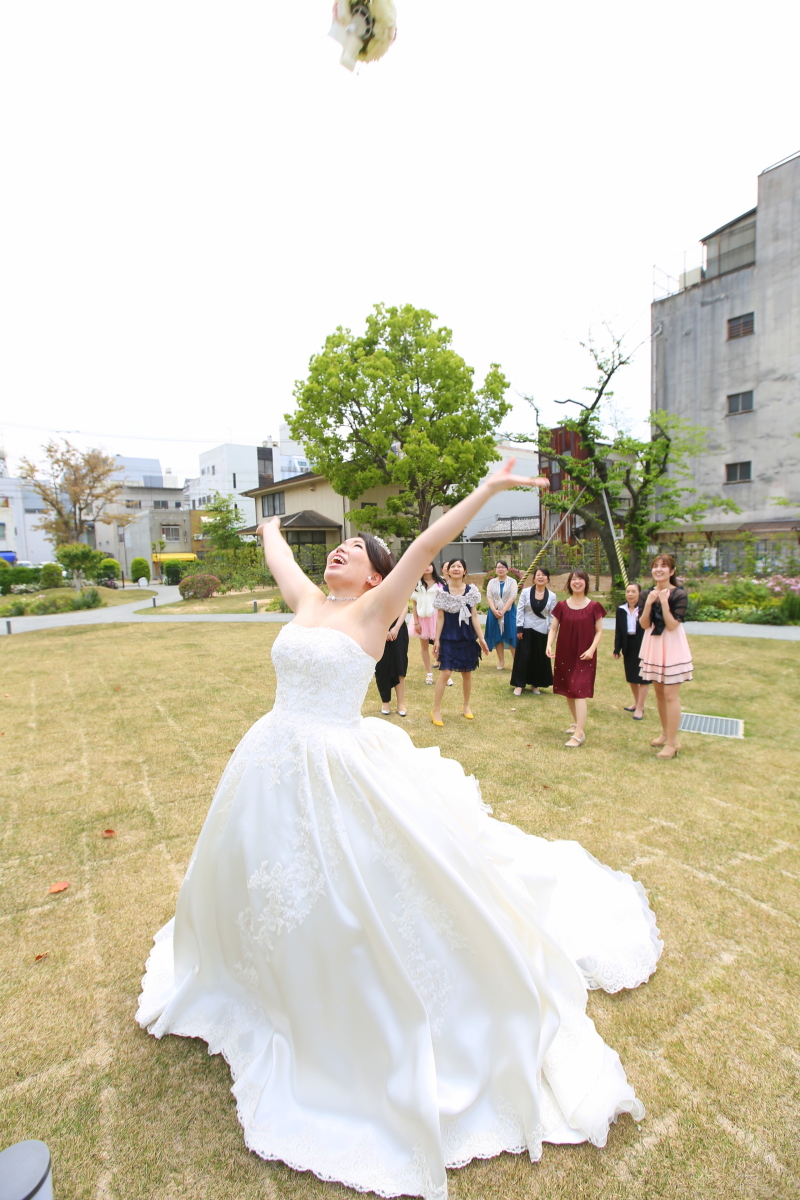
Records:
x=169, y=595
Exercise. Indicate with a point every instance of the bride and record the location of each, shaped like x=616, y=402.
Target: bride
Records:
x=397, y=981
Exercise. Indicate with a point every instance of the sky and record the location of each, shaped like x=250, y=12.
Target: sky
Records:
x=195, y=194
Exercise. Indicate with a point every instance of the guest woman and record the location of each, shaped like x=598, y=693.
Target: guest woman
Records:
x=392, y=668
x=572, y=641
x=627, y=642
x=459, y=638
x=665, y=659
x=534, y=616
x=422, y=622
x=501, y=622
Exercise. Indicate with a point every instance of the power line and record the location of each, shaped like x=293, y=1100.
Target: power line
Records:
x=125, y=437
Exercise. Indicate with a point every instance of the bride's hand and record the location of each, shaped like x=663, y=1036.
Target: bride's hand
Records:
x=500, y=480
x=260, y=531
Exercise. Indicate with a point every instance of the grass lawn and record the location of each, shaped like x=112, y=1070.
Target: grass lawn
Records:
x=234, y=602
x=128, y=728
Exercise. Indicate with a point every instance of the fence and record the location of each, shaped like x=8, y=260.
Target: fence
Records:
x=558, y=557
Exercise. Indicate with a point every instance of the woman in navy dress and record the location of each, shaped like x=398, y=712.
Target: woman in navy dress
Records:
x=627, y=642
x=459, y=638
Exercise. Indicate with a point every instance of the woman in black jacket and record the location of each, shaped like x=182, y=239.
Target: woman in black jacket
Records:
x=627, y=643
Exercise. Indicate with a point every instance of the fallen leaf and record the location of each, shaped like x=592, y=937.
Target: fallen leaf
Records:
x=117, y=689
x=546, y=786
x=58, y=887
x=528, y=745
x=231, y=751
x=39, y=957
x=109, y=833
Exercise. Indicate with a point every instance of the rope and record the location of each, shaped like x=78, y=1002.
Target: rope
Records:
x=622, y=570
x=553, y=534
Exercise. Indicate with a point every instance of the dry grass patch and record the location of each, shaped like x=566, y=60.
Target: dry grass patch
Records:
x=128, y=727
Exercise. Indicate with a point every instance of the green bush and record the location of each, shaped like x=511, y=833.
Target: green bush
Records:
x=174, y=572
x=109, y=569
x=140, y=569
x=764, y=616
x=51, y=576
x=13, y=575
x=790, y=607
x=198, y=587
x=41, y=606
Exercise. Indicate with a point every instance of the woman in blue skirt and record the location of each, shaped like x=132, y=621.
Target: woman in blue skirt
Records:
x=459, y=639
x=501, y=622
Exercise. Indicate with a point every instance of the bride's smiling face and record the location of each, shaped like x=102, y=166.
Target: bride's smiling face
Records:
x=349, y=571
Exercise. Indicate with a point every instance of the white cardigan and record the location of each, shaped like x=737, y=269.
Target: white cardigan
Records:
x=528, y=619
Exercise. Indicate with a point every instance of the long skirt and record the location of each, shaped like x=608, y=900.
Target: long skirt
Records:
x=393, y=664
x=666, y=657
x=531, y=664
x=509, y=634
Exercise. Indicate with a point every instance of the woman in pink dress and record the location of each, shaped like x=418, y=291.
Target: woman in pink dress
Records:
x=665, y=659
x=578, y=626
x=422, y=621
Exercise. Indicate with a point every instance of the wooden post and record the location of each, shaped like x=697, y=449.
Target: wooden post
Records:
x=597, y=564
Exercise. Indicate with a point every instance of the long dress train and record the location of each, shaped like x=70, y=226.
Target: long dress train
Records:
x=397, y=980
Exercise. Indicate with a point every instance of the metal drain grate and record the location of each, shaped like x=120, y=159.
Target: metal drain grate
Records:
x=717, y=726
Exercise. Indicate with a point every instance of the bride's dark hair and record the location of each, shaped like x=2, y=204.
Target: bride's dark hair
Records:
x=381, y=559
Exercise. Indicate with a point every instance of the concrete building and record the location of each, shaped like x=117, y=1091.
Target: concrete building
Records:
x=235, y=470
x=154, y=499
x=21, y=510
x=726, y=356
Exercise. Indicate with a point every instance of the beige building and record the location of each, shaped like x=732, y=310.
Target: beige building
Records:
x=311, y=512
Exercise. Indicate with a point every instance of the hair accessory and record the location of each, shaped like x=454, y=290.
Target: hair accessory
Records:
x=380, y=542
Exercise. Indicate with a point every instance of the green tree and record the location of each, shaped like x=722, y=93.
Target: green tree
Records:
x=140, y=569
x=647, y=482
x=76, y=487
x=222, y=521
x=81, y=560
x=109, y=569
x=397, y=406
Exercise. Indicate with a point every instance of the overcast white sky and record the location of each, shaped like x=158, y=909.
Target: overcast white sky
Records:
x=195, y=194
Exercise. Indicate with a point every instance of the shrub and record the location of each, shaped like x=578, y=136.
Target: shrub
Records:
x=790, y=607
x=109, y=569
x=140, y=569
x=40, y=606
x=173, y=572
x=51, y=576
x=198, y=587
x=18, y=575
x=277, y=605
x=764, y=616
x=24, y=589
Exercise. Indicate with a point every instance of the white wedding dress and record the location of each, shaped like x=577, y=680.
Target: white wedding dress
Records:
x=397, y=980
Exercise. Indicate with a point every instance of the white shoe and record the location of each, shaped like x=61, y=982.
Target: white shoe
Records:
x=429, y=677
x=449, y=683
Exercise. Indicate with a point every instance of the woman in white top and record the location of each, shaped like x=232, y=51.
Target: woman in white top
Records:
x=422, y=622
x=534, y=617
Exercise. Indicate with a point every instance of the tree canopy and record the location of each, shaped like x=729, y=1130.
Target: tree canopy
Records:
x=647, y=482
x=76, y=486
x=398, y=406
x=221, y=523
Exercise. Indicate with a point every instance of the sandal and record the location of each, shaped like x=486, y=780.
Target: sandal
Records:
x=429, y=677
x=575, y=741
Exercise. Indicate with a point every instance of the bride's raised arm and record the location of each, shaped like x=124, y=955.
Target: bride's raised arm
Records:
x=399, y=585
x=292, y=580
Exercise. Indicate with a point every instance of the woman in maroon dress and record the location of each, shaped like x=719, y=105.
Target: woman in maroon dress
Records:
x=578, y=625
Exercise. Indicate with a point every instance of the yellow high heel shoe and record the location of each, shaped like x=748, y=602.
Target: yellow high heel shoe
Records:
x=468, y=716
x=439, y=723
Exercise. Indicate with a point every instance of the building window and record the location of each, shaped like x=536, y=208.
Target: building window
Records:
x=171, y=533
x=234, y=481
x=273, y=505
x=740, y=402
x=306, y=537
x=178, y=504
x=2, y=532
x=741, y=326
x=161, y=504
x=738, y=472
x=133, y=504
x=213, y=470
x=369, y=503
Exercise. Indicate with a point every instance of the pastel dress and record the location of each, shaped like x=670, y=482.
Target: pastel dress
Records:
x=397, y=981
x=423, y=597
x=574, y=676
x=505, y=630
x=665, y=656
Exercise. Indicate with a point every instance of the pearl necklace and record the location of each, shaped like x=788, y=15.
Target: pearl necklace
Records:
x=341, y=599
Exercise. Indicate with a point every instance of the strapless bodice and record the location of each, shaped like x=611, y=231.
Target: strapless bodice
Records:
x=321, y=674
